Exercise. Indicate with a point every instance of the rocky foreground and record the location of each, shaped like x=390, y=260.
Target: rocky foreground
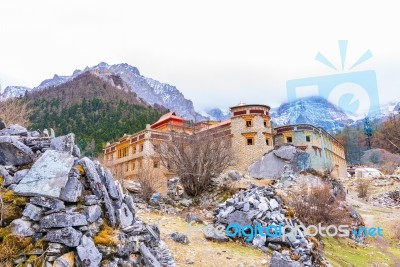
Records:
x=62, y=210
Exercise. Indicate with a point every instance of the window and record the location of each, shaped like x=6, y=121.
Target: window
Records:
x=126, y=167
x=265, y=124
x=289, y=139
x=134, y=149
x=155, y=164
x=250, y=141
x=248, y=123
x=267, y=142
x=132, y=165
x=140, y=147
x=308, y=138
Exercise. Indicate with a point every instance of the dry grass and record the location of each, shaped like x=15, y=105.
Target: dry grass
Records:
x=107, y=236
x=12, y=246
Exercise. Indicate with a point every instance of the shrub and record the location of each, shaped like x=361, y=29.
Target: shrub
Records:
x=316, y=204
x=362, y=187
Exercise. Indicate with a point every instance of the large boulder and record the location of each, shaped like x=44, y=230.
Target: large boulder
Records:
x=273, y=164
x=13, y=152
x=64, y=143
x=14, y=130
x=48, y=176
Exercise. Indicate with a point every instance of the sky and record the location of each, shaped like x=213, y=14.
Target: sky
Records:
x=217, y=53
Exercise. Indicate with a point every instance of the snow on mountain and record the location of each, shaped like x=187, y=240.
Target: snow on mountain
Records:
x=14, y=92
x=216, y=114
x=312, y=110
x=128, y=78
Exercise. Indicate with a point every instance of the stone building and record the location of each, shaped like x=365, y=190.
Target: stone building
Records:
x=325, y=151
x=249, y=129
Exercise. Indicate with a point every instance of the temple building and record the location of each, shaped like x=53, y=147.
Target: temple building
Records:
x=249, y=130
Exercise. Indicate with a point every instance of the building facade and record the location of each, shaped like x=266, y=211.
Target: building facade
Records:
x=249, y=130
x=325, y=151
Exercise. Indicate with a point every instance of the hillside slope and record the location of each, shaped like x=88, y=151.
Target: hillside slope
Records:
x=95, y=110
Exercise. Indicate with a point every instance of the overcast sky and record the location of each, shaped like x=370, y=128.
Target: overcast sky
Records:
x=216, y=53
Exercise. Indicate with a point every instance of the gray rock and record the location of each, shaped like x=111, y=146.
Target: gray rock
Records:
x=274, y=246
x=21, y=227
x=48, y=175
x=19, y=175
x=33, y=212
x=110, y=211
x=274, y=204
x=246, y=206
x=7, y=178
x=186, y=202
x=88, y=254
x=278, y=260
x=285, y=152
x=67, y=236
x=72, y=190
x=111, y=187
x=50, y=203
x=241, y=217
x=76, y=152
x=93, y=177
x=14, y=129
x=63, y=220
x=13, y=152
x=259, y=241
x=124, y=216
x=56, y=249
x=263, y=206
x=91, y=200
x=148, y=257
x=212, y=234
x=64, y=143
x=235, y=175
x=180, y=238
x=191, y=217
x=92, y=213
x=129, y=202
x=228, y=211
x=274, y=163
x=2, y=124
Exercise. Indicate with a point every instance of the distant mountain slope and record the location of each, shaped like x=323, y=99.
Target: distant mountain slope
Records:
x=128, y=78
x=92, y=108
x=313, y=110
x=13, y=92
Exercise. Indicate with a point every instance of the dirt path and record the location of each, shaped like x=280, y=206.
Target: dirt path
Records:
x=373, y=217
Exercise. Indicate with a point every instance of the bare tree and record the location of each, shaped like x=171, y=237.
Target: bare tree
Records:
x=150, y=179
x=196, y=158
x=362, y=187
x=15, y=111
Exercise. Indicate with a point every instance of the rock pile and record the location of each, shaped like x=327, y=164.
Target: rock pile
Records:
x=260, y=205
x=389, y=199
x=285, y=158
x=66, y=210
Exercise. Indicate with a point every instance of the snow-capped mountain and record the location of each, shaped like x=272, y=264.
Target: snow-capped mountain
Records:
x=128, y=78
x=312, y=110
x=14, y=92
x=216, y=114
